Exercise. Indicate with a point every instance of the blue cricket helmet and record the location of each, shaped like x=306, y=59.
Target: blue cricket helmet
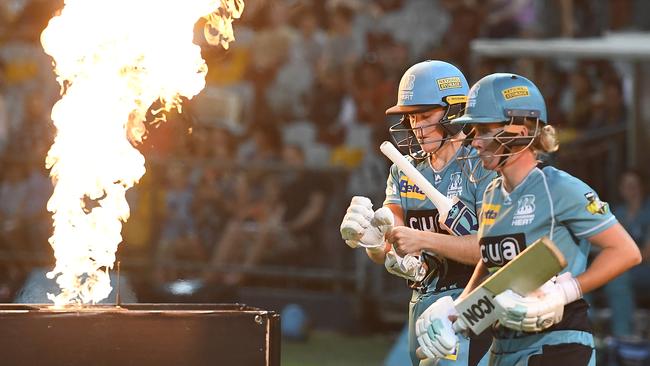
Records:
x=427, y=85
x=500, y=97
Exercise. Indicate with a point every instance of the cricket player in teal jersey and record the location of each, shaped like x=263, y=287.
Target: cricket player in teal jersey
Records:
x=430, y=94
x=549, y=326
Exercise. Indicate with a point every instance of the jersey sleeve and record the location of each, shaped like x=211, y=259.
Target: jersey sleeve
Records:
x=392, y=187
x=578, y=207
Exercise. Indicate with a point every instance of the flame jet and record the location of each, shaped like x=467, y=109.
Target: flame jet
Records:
x=113, y=60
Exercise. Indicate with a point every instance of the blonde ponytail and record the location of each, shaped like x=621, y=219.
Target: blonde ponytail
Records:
x=545, y=139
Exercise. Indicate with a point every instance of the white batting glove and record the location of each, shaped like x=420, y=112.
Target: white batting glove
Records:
x=434, y=330
x=541, y=309
x=363, y=227
x=408, y=267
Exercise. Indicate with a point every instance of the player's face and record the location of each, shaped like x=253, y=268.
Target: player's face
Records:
x=631, y=187
x=486, y=145
x=427, y=130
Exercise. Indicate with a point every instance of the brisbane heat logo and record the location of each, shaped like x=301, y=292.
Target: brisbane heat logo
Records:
x=406, y=87
x=525, y=210
x=456, y=185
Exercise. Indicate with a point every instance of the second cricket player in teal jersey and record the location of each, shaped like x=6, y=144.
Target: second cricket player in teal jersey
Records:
x=550, y=326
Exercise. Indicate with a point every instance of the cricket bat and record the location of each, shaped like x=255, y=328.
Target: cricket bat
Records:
x=455, y=216
x=529, y=270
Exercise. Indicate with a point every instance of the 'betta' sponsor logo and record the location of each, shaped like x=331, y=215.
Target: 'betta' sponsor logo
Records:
x=409, y=190
x=497, y=251
x=490, y=213
x=425, y=220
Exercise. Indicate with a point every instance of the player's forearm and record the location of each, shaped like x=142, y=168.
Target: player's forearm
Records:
x=608, y=264
x=463, y=249
x=619, y=253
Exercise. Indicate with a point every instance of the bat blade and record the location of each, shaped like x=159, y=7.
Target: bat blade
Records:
x=525, y=273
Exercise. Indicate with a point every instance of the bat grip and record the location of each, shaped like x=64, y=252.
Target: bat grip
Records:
x=457, y=328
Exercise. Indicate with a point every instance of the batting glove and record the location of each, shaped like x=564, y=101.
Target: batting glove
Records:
x=408, y=267
x=434, y=331
x=540, y=310
x=363, y=227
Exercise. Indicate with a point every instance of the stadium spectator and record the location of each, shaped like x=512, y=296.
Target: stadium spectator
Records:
x=634, y=214
x=304, y=196
x=577, y=101
x=13, y=199
x=178, y=239
x=344, y=47
x=609, y=108
x=255, y=217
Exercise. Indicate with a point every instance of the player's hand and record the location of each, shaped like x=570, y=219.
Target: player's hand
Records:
x=363, y=227
x=541, y=309
x=434, y=331
x=405, y=240
x=408, y=267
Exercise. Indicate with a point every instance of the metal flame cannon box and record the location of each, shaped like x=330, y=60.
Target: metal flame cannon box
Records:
x=139, y=334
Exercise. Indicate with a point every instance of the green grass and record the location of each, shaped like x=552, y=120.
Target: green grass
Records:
x=334, y=349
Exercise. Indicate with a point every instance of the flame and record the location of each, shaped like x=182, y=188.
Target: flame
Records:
x=113, y=60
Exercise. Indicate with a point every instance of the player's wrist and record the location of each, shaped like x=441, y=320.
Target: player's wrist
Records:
x=380, y=249
x=571, y=288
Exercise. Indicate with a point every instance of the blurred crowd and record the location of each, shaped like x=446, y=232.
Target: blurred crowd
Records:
x=259, y=168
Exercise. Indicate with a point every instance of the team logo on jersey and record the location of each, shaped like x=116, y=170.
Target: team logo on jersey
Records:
x=507, y=201
x=515, y=92
x=456, y=186
x=449, y=83
x=525, y=213
x=409, y=190
x=497, y=251
x=406, y=88
x=473, y=94
x=489, y=213
x=595, y=205
x=425, y=220
x=437, y=179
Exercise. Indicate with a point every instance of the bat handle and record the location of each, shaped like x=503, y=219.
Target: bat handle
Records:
x=457, y=328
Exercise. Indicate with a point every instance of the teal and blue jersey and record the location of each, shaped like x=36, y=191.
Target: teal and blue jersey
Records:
x=421, y=214
x=548, y=202
x=551, y=203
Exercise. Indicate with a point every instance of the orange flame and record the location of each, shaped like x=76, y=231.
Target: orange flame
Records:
x=114, y=59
